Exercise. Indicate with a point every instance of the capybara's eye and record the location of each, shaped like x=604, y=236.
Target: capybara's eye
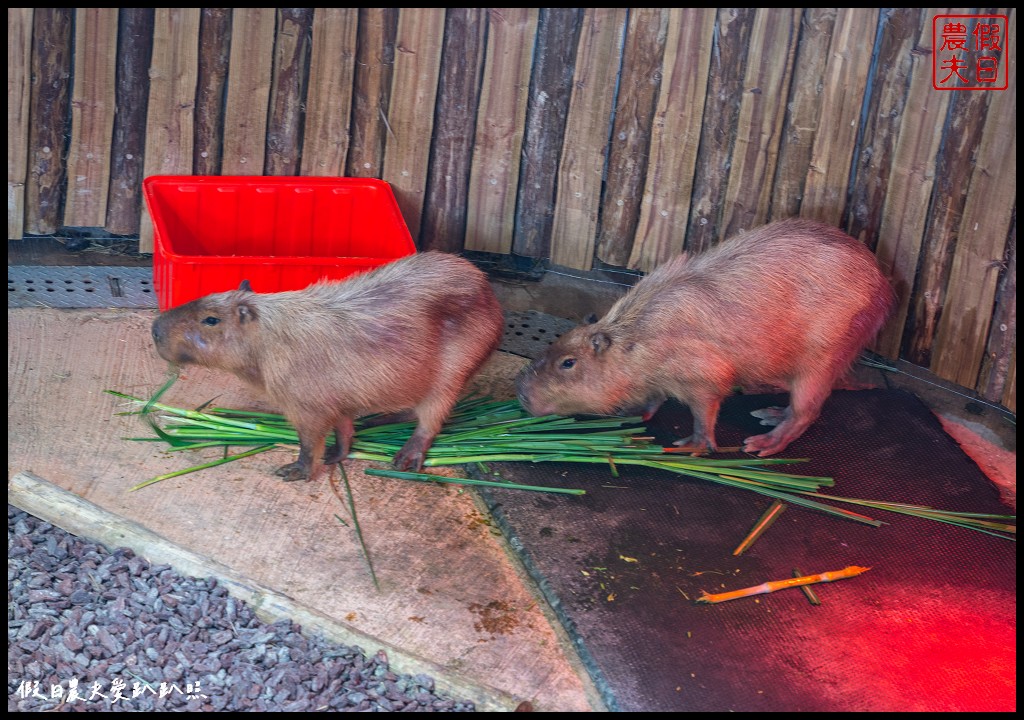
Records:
x=211, y=320
x=568, y=363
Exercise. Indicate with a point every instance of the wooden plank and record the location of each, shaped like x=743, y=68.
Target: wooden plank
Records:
x=93, y=104
x=500, y=124
x=1002, y=339
x=410, y=125
x=19, y=63
x=587, y=127
x=760, y=125
x=935, y=252
x=329, y=97
x=804, y=109
x=963, y=328
x=443, y=225
x=886, y=104
x=211, y=90
x=249, y=77
x=169, y=119
x=49, y=111
x=550, y=88
x=906, y=204
x=636, y=103
x=674, y=139
x=843, y=96
x=371, y=93
x=128, y=143
x=288, y=90
x=718, y=133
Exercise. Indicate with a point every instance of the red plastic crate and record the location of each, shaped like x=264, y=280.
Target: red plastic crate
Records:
x=279, y=233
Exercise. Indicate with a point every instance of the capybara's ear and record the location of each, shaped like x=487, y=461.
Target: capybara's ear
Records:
x=244, y=286
x=590, y=319
x=246, y=313
x=600, y=342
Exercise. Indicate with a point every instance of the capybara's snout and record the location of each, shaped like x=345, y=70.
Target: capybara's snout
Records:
x=526, y=388
x=163, y=332
x=158, y=332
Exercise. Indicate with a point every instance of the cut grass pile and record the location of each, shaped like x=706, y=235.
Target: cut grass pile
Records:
x=482, y=430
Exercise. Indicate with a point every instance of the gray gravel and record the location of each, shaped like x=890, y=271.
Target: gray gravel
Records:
x=131, y=636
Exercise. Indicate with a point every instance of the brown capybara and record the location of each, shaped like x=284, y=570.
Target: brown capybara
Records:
x=790, y=304
x=406, y=336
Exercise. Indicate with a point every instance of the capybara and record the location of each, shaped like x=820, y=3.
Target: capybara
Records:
x=790, y=305
x=404, y=337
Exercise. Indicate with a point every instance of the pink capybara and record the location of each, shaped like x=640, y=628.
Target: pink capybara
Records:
x=790, y=305
x=404, y=337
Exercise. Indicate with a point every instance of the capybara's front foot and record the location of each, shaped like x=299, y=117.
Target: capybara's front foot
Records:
x=293, y=472
x=650, y=408
x=697, y=445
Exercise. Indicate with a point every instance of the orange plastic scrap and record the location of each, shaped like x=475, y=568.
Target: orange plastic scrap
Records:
x=769, y=587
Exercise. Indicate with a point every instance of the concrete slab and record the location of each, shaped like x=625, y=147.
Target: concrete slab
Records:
x=452, y=599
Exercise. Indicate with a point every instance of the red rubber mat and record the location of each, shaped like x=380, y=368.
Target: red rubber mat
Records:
x=930, y=627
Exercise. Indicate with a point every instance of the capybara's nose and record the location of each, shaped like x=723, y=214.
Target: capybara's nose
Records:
x=157, y=335
x=521, y=390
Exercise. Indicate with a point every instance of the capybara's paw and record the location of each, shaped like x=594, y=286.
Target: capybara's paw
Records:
x=770, y=416
x=652, y=407
x=695, y=445
x=764, y=445
x=410, y=457
x=334, y=455
x=293, y=472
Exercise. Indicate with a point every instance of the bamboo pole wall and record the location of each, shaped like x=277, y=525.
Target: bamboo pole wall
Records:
x=585, y=139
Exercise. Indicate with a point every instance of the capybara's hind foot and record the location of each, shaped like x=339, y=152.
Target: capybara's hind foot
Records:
x=770, y=416
x=767, y=444
x=293, y=472
x=412, y=462
x=412, y=455
x=334, y=455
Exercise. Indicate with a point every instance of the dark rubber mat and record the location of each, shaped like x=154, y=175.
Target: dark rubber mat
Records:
x=930, y=627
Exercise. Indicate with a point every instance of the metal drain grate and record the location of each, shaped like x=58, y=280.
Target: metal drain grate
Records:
x=529, y=333
x=80, y=287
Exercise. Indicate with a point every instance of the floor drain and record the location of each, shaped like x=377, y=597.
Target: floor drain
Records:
x=529, y=333
x=80, y=287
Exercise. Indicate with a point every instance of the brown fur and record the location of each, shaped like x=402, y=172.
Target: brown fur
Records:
x=408, y=335
x=790, y=304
